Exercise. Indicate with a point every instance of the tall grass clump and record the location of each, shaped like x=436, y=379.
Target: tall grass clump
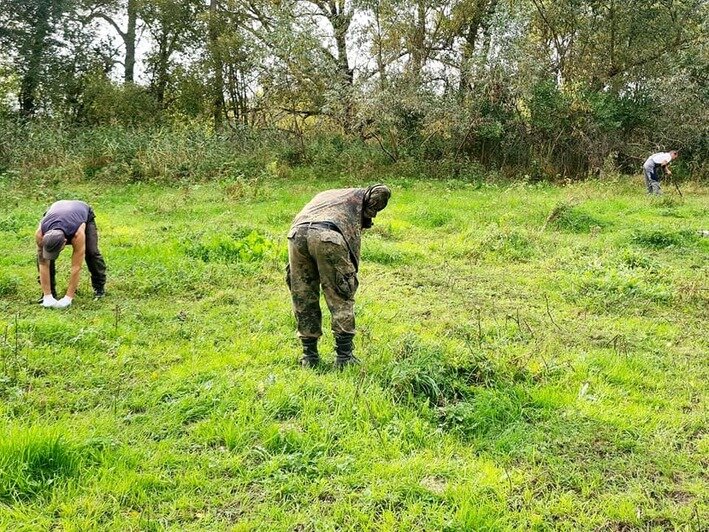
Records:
x=470, y=395
x=488, y=410
x=33, y=461
x=660, y=239
x=614, y=289
x=176, y=152
x=9, y=284
x=566, y=216
x=505, y=244
x=426, y=371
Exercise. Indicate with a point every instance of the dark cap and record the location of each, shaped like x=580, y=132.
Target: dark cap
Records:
x=52, y=243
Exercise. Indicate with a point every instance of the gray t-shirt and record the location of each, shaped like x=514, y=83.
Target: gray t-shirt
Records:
x=66, y=215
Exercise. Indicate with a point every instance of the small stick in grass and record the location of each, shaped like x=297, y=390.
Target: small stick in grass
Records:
x=117, y=316
x=546, y=298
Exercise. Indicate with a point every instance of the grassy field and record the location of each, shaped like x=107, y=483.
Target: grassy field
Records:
x=534, y=357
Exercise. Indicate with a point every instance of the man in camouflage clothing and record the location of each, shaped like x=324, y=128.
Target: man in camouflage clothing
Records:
x=323, y=249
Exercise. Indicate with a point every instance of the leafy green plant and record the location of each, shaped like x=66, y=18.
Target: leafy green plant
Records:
x=254, y=247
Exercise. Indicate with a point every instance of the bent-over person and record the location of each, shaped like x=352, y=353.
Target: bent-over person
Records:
x=323, y=250
x=68, y=222
x=654, y=167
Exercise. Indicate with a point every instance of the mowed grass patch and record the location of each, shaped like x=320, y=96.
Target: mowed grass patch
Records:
x=513, y=375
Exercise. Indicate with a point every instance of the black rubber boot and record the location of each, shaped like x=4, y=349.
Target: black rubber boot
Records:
x=343, y=349
x=310, y=358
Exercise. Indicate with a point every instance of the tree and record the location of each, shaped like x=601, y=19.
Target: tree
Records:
x=173, y=26
x=112, y=12
x=28, y=31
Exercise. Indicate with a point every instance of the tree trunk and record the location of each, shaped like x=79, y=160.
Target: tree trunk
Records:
x=340, y=21
x=30, y=79
x=418, y=39
x=161, y=80
x=343, y=67
x=467, y=58
x=381, y=67
x=217, y=65
x=129, y=41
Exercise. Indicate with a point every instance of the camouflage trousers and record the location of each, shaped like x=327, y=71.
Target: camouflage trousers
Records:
x=318, y=256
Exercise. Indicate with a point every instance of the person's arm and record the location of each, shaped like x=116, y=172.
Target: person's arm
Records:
x=666, y=167
x=78, y=243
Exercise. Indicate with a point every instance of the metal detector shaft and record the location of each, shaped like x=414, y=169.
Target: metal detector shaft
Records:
x=674, y=182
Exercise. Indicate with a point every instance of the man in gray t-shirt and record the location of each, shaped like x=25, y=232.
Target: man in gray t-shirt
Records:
x=654, y=167
x=68, y=222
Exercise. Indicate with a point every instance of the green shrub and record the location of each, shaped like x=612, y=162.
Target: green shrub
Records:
x=109, y=103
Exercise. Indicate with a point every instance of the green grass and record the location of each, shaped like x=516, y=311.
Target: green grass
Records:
x=534, y=357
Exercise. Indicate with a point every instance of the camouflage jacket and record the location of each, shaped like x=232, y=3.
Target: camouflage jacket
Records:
x=342, y=207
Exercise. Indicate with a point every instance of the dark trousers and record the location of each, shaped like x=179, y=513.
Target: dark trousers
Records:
x=93, y=257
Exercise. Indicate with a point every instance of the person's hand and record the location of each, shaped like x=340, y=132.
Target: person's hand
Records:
x=48, y=301
x=63, y=302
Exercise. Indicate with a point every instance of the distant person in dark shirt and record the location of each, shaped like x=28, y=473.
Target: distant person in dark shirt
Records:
x=68, y=222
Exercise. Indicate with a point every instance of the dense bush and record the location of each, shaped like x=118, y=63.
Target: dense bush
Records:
x=178, y=149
